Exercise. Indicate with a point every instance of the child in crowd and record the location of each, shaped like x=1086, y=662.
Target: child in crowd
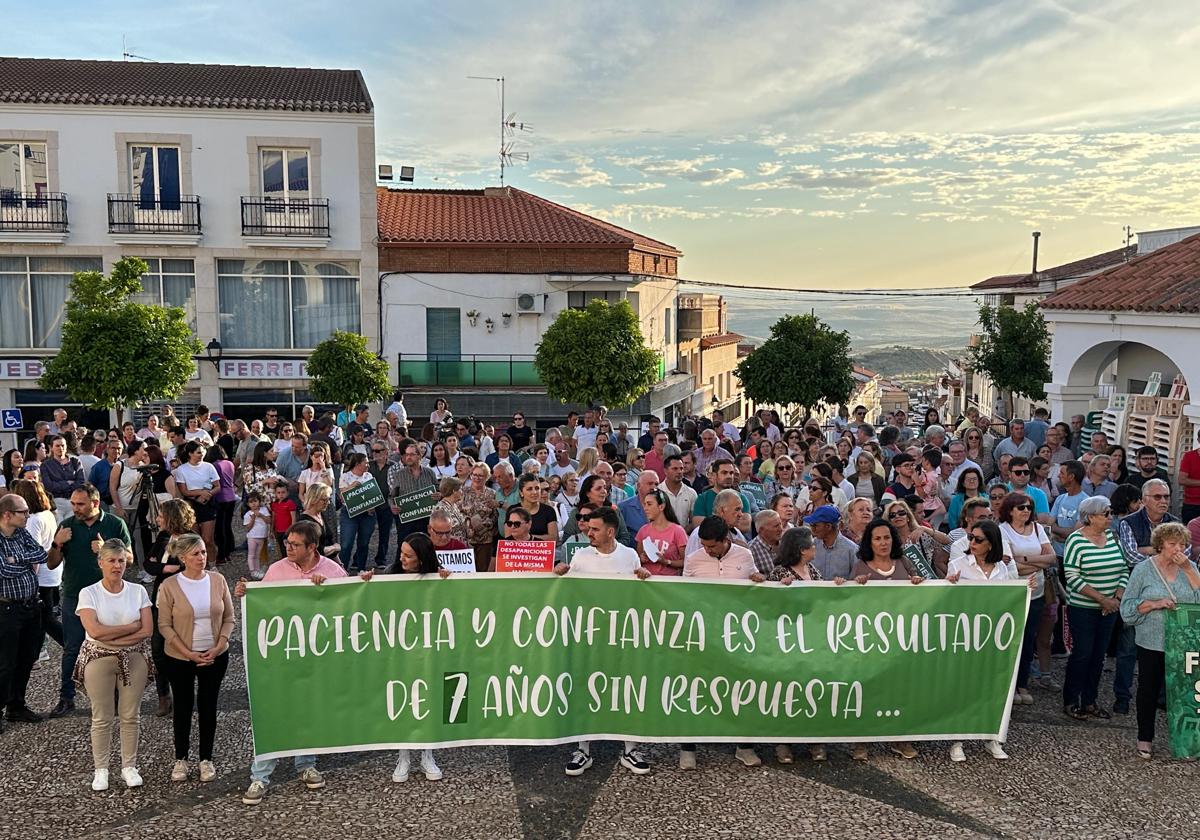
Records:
x=258, y=527
x=929, y=484
x=283, y=516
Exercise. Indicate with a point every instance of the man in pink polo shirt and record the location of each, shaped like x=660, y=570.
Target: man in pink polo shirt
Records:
x=303, y=562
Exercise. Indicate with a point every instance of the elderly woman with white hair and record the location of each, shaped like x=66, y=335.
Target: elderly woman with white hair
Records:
x=1096, y=576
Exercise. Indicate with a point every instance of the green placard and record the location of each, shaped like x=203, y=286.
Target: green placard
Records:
x=415, y=505
x=917, y=558
x=1182, y=652
x=363, y=497
x=756, y=492
x=572, y=545
x=539, y=658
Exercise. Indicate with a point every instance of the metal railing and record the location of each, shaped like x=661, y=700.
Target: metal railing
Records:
x=293, y=217
x=140, y=214
x=41, y=212
x=421, y=369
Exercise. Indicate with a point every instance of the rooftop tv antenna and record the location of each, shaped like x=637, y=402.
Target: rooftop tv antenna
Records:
x=126, y=54
x=509, y=126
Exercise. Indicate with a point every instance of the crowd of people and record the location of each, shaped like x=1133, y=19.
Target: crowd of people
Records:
x=82, y=514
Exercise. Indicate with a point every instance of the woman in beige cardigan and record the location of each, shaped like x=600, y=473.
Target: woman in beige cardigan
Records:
x=195, y=617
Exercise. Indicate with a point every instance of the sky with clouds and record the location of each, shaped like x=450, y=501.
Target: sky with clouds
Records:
x=843, y=144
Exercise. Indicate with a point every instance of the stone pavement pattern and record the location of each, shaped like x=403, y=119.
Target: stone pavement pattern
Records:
x=1065, y=779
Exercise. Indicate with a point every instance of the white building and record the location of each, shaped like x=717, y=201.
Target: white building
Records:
x=249, y=190
x=470, y=280
x=1114, y=330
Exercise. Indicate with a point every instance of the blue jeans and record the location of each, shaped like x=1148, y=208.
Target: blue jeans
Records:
x=1029, y=640
x=1127, y=658
x=72, y=640
x=262, y=768
x=1090, y=631
x=360, y=527
x=384, y=520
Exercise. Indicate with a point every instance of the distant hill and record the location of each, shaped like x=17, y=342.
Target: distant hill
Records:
x=901, y=361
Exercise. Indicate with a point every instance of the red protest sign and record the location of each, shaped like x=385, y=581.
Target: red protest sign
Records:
x=525, y=556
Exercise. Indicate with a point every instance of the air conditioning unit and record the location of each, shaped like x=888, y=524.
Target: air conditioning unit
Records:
x=531, y=304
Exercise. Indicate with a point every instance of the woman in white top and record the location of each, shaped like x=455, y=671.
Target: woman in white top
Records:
x=197, y=482
x=984, y=561
x=194, y=432
x=439, y=460
x=114, y=658
x=1033, y=553
x=440, y=413
x=195, y=617
x=318, y=470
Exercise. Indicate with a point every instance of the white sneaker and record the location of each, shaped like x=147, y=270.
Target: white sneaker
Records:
x=748, y=757
x=687, y=759
x=995, y=750
x=131, y=776
x=44, y=656
x=100, y=780
x=429, y=766
x=956, y=752
x=179, y=771
x=147, y=577
x=783, y=754
x=400, y=774
x=817, y=752
x=208, y=771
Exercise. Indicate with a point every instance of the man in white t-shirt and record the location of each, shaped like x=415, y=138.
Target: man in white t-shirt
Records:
x=585, y=435
x=397, y=408
x=604, y=557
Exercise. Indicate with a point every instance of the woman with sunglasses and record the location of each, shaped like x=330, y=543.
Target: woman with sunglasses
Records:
x=661, y=541
x=1096, y=576
x=984, y=561
x=784, y=480
x=1033, y=554
x=933, y=545
x=978, y=452
x=635, y=463
x=881, y=557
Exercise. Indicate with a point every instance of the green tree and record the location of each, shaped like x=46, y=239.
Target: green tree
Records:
x=345, y=372
x=1014, y=350
x=115, y=352
x=804, y=363
x=596, y=355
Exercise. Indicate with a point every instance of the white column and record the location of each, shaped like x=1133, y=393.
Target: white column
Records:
x=1066, y=400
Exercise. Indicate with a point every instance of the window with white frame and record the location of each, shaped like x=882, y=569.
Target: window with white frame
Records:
x=33, y=294
x=23, y=169
x=285, y=304
x=170, y=282
x=285, y=174
x=155, y=176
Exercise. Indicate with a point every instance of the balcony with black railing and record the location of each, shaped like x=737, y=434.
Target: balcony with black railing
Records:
x=295, y=217
x=154, y=214
x=33, y=212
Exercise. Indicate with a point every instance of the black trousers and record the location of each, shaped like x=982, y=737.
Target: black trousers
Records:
x=20, y=644
x=158, y=651
x=51, y=597
x=1151, y=677
x=193, y=684
x=224, y=530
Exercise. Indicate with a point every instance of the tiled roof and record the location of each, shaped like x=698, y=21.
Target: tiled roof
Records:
x=76, y=82
x=1166, y=280
x=496, y=216
x=1078, y=268
x=719, y=340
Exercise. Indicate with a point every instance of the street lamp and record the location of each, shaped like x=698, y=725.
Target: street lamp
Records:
x=214, y=353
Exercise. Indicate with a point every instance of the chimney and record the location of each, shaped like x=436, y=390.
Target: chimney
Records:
x=497, y=192
x=1037, y=234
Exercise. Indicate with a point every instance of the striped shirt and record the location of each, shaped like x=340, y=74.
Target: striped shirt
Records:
x=1103, y=569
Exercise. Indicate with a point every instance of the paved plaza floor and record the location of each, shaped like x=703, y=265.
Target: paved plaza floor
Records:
x=1064, y=779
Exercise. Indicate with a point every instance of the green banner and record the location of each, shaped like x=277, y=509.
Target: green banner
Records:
x=362, y=497
x=415, y=505
x=919, y=562
x=539, y=659
x=756, y=493
x=1183, y=679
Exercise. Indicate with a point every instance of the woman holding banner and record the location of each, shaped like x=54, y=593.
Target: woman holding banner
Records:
x=417, y=556
x=881, y=557
x=984, y=561
x=660, y=543
x=1159, y=584
x=793, y=563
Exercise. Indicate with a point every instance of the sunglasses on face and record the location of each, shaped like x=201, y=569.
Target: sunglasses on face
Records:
x=978, y=540
x=898, y=515
x=783, y=468
x=514, y=523
x=1019, y=472
x=1021, y=507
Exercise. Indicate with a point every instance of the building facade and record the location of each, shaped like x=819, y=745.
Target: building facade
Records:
x=709, y=351
x=249, y=191
x=470, y=280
